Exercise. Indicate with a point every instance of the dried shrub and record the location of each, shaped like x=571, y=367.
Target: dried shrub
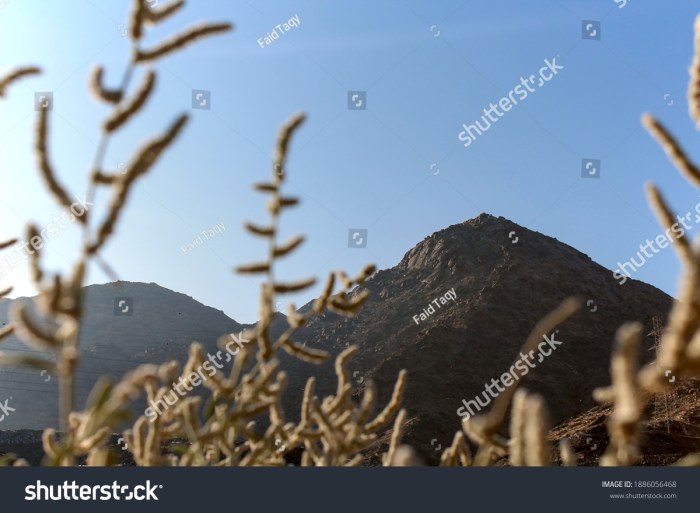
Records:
x=334, y=430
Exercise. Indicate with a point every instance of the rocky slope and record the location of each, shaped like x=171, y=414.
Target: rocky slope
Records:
x=502, y=289
x=454, y=312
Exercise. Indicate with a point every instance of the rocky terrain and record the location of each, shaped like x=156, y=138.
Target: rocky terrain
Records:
x=670, y=433
x=451, y=344
x=503, y=289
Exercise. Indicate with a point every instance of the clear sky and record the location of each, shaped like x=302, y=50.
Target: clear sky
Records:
x=397, y=168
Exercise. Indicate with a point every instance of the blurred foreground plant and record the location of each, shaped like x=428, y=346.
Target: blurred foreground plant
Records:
x=60, y=300
x=631, y=389
x=334, y=430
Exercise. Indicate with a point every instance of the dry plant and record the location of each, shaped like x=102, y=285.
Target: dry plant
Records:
x=679, y=351
x=628, y=397
x=5, y=83
x=680, y=345
x=332, y=431
x=631, y=389
x=243, y=424
x=60, y=299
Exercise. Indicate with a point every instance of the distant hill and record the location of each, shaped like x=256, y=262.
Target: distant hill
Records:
x=158, y=325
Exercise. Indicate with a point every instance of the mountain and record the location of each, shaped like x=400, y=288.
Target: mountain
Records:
x=454, y=312
x=152, y=325
x=503, y=288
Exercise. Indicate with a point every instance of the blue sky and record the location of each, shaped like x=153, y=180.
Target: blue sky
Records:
x=426, y=67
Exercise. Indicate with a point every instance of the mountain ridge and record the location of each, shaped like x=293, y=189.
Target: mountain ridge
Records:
x=505, y=278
